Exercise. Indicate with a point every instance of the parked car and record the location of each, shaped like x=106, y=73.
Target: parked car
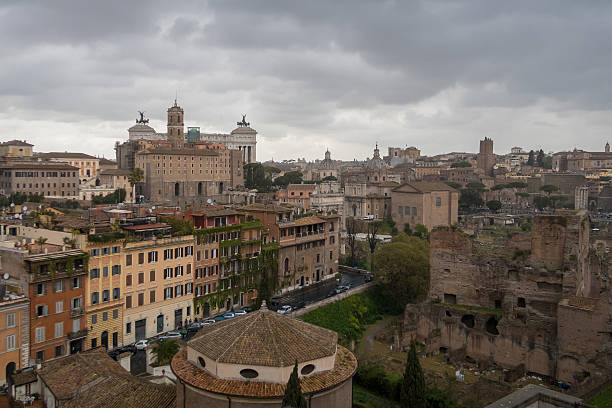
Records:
x=194, y=328
x=331, y=293
x=171, y=336
x=208, y=322
x=299, y=305
x=229, y=315
x=182, y=331
x=286, y=309
x=219, y=318
x=240, y=312
x=141, y=345
x=247, y=309
x=368, y=277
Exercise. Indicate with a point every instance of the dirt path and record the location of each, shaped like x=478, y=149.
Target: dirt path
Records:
x=367, y=346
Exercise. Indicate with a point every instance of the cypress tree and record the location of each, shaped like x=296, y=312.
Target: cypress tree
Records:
x=293, y=393
x=412, y=392
x=531, y=159
x=540, y=158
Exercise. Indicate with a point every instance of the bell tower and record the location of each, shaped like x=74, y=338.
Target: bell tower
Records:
x=176, y=127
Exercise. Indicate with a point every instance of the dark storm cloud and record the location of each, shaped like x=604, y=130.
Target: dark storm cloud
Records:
x=436, y=74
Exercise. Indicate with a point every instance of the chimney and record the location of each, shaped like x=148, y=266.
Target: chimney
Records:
x=46, y=250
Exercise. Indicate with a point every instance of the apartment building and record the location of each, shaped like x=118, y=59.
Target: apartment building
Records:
x=296, y=194
x=88, y=165
x=157, y=285
x=104, y=296
x=309, y=246
x=53, y=278
x=14, y=334
x=54, y=180
x=225, y=242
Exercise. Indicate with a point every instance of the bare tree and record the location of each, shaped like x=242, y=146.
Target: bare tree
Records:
x=372, y=239
x=351, y=232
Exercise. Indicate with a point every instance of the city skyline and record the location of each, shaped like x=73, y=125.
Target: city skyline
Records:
x=341, y=76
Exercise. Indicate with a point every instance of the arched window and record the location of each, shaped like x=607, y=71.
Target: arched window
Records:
x=286, y=265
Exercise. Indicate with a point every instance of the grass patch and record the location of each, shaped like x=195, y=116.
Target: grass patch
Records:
x=348, y=317
x=603, y=400
x=367, y=399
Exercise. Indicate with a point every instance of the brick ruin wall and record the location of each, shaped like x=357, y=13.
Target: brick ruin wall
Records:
x=509, y=299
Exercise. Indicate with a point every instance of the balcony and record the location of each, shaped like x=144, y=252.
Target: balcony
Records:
x=77, y=335
x=77, y=311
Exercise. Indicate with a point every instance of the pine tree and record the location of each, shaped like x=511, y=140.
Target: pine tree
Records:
x=531, y=159
x=293, y=393
x=412, y=393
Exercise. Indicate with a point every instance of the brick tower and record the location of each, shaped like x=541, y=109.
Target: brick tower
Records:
x=176, y=127
x=486, y=159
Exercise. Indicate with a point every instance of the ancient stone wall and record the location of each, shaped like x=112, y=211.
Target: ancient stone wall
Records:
x=504, y=297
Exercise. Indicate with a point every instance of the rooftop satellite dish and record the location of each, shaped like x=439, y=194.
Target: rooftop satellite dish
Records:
x=209, y=201
x=25, y=208
x=152, y=207
x=5, y=276
x=12, y=204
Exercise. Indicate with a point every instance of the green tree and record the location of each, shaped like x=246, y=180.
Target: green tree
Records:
x=413, y=393
x=135, y=177
x=41, y=241
x=70, y=242
x=164, y=351
x=531, y=159
x=517, y=184
x=330, y=178
x=292, y=177
x=257, y=176
x=494, y=205
x=402, y=269
x=454, y=185
x=541, y=202
x=540, y=158
x=407, y=229
x=549, y=188
x=293, y=397
x=460, y=164
x=470, y=199
x=498, y=187
x=421, y=231
x=474, y=185
x=116, y=196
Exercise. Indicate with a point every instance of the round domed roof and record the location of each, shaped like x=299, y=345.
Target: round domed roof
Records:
x=264, y=338
x=243, y=129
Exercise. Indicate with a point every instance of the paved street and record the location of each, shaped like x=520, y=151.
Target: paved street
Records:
x=319, y=291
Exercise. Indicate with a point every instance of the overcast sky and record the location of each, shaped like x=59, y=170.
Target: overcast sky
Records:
x=311, y=75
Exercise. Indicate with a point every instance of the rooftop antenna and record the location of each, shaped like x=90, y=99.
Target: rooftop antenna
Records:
x=175, y=97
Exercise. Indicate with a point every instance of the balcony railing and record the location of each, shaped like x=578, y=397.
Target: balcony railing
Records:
x=77, y=311
x=77, y=335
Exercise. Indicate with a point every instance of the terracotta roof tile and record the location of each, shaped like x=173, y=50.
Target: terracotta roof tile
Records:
x=94, y=380
x=264, y=338
x=344, y=368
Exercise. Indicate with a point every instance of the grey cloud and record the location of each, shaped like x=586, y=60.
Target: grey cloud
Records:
x=297, y=67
